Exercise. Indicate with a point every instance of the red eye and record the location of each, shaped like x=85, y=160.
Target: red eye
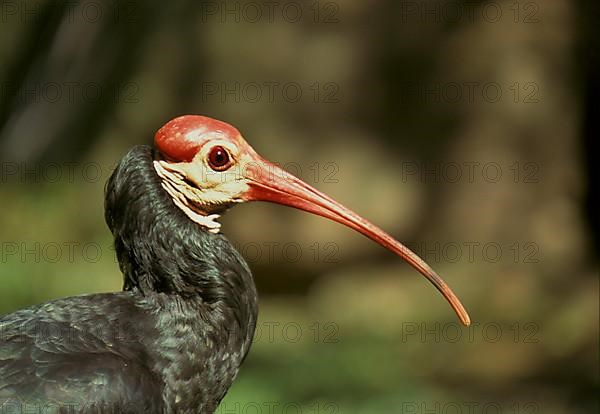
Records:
x=218, y=158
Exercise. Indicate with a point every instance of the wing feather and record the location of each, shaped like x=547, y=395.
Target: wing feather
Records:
x=73, y=356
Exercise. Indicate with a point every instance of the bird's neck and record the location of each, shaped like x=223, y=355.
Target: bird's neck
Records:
x=198, y=284
x=197, y=355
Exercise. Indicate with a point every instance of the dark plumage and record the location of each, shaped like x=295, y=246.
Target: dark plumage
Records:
x=172, y=341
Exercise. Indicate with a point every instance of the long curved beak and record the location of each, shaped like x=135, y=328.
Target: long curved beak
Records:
x=268, y=182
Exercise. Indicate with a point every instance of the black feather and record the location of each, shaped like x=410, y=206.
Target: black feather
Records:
x=173, y=341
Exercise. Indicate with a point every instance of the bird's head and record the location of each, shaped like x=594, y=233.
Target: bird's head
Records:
x=206, y=166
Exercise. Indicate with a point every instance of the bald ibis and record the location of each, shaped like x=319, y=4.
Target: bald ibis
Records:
x=174, y=338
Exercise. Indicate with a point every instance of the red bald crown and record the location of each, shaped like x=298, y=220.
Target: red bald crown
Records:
x=181, y=138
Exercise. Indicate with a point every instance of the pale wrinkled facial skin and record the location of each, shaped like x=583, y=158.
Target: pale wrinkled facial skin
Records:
x=206, y=190
x=200, y=190
x=185, y=144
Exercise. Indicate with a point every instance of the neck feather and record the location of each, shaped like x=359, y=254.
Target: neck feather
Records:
x=160, y=249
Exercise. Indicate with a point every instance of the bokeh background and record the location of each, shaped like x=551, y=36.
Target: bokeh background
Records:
x=464, y=128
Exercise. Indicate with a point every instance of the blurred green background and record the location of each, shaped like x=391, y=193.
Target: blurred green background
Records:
x=461, y=127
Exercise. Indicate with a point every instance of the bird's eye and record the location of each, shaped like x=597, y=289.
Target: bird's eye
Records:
x=219, y=159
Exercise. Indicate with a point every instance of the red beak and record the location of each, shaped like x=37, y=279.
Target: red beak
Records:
x=270, y=183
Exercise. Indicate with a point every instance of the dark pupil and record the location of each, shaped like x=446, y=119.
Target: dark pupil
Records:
x=218, y=157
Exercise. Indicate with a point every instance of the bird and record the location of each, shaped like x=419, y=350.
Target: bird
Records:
x=174, y=338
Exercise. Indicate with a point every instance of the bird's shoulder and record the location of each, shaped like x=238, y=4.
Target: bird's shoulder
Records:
x=77, y=354
x=78, y=323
